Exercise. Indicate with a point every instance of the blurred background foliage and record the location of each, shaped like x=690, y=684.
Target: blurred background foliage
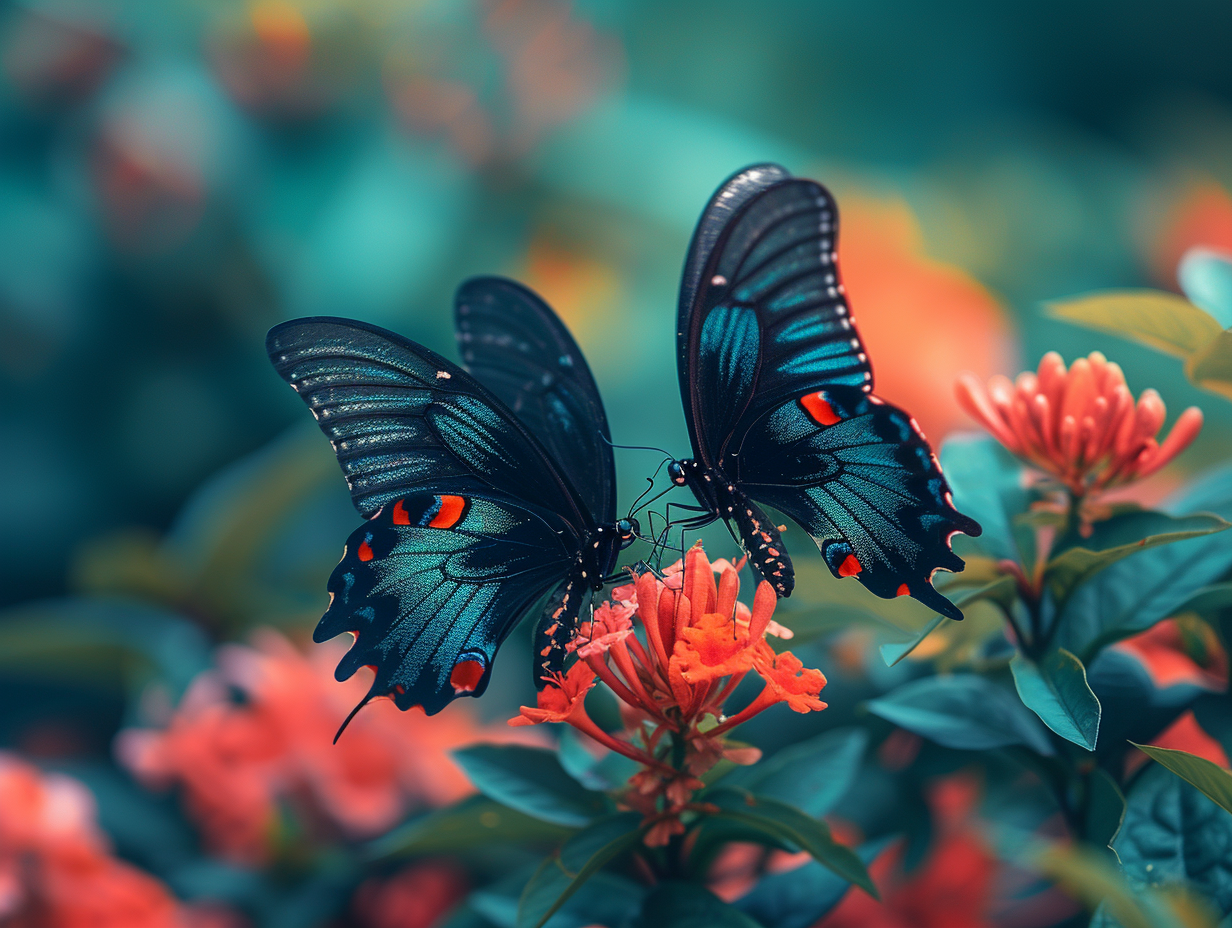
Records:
x=176, y=177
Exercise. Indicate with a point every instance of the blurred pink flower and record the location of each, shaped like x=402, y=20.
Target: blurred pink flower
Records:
x=1080, y=426
x=238, y=762
x=56, y=870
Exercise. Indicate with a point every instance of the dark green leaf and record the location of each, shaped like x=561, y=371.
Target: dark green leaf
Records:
x=985, y=480
x=812, y=775
x=1056, y=690
x=1104, y=809
x=1161, y=320
x=474, y=822
x=530, y=780
x=962, y=711
x=607, y=771
x=1133, y=594
x=1211, y=366
x=801, y=897
x=1118, y=538
x=583, y=855
x=1173, y=834
x=605, y=899
x=999, y=590
x=787, y=824
x=686, y=905
x=1212, y=780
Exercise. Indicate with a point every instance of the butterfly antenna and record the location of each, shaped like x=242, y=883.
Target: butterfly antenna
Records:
x=650, y=480
x=666, y=454
x=347, y=721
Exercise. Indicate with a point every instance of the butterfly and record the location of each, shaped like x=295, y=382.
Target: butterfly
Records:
x=777, y=391
x=475, y=513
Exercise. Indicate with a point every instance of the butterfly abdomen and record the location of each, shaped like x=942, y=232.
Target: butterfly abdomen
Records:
x=762, y=541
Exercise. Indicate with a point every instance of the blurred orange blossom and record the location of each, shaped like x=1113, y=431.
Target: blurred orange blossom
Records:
x=237, y=760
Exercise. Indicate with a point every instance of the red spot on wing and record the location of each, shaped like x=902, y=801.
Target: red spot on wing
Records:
x=850, y=566
x=466, y=675
x=903, y=590
x=449, y=513
x=399, y=689
x=819, y=408
x=401, y=516
x=365, y=551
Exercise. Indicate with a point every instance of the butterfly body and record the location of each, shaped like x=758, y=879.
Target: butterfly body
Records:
x=777, y=390
x=471, y=519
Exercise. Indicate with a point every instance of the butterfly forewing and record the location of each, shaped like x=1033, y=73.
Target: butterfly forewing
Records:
x=514, y=344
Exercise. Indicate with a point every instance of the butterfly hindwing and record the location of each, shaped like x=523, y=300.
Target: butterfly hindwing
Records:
x=431, y=586
x=513, y=343
x=858, y=475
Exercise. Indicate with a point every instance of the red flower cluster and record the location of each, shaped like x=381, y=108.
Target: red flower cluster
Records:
x=238, y=761
x=699, y=644
x=1081, y=425
x=55, y=867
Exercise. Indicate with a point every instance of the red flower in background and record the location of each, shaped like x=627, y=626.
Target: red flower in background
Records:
x=238, y=761
x=1202, y=218
x=1078, y=425
x=699, y=644
x=923, y=321
x=415, y=897
x=953, y=887
x=56, y=870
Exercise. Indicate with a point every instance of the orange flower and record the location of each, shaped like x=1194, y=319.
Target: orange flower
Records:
x=562, y=700
x=1080, y=426
x=238, y=762
x=55, y=867
x=698, y=644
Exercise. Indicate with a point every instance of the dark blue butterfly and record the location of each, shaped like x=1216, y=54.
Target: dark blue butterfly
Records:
x=474, y=513
x=777, y=393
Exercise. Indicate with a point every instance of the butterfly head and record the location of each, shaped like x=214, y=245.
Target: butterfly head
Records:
x=629, y=530
x=675, y=473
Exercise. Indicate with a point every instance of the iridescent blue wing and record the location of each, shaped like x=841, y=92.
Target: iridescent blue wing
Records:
x=777, y=391
x=400, y=418
x=433, y=583
x=762, y=315
x=470, y=520
x=518, y=348
x=856, y=473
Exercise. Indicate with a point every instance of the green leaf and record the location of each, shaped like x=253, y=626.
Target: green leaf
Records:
x=801, y=897
x=1214, y=782
x=1173, y=835
x=674, y=904
x=1118, y=538
x=784, y=823
x=1103, y=809
x=1132, y=595
x=474, y=822
x=812, y=775
x=963, y=711
x=1211, y=367
x=986, y=484
x=1056, y=690
x=1000, y=590
x=1160, y=320
x=1206, y=278
x=583, y=855
x=530, y=780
